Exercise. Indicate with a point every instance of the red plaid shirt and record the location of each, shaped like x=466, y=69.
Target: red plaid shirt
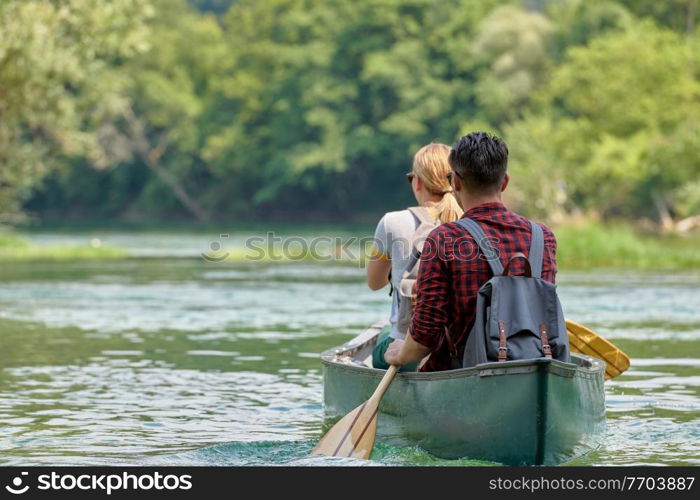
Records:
x=452, y=270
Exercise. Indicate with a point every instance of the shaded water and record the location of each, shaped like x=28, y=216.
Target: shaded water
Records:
x=169, y=361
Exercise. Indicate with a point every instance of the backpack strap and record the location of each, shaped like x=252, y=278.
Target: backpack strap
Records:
x=424, y=218
x=546, y=348
x=502, y=342
x=413, y=259
x=518, y=255
x=484, y=244
x=421, y=213
x=536, y=250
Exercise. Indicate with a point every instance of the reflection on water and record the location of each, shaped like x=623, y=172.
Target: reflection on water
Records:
x=175, y=361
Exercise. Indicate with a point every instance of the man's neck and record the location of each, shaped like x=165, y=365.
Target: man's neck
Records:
x=470, y=202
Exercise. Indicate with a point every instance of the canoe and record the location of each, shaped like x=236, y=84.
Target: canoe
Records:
x=530, y=412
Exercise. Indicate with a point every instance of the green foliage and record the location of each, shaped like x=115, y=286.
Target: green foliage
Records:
x=313, y=108
x=331, y=89
x=59, y=81
x=577, y=22
x=679, y=15
x=513, y=49
x=172, y=88
x=615, y=81
x=215, y=6
x=618, y=125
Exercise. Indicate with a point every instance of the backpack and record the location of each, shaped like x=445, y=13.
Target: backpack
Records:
x=408, y=278
x=517, y=317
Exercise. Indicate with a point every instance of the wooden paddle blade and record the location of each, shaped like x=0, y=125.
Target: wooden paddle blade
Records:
x=353, y=436
x=585, y=341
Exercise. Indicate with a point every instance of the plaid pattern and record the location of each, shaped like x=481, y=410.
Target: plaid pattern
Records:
x=452, y=270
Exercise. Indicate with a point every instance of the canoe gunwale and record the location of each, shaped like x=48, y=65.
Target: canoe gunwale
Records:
x=586, y=367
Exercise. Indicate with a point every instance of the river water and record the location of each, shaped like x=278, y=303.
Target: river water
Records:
x=165, y=360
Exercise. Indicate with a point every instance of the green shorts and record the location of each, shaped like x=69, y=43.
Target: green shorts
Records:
x=383, y=341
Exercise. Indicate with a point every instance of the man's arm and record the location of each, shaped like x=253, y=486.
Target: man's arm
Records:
x=402, y=352
x=549, y=266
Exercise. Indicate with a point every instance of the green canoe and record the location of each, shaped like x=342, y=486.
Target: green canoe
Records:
x=531, y=412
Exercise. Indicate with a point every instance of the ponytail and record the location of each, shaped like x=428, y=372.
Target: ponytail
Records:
x=431, y=166
x=448, y=209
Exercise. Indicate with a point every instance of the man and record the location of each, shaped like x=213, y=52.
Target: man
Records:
x=452, y=269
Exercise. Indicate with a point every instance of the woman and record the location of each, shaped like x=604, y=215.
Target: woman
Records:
x=396, y=233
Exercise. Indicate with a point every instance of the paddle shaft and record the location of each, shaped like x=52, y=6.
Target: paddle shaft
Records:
x=384, y=384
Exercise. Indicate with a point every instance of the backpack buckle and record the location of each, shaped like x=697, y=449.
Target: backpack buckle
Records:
x=546, y=349
x=502, y=342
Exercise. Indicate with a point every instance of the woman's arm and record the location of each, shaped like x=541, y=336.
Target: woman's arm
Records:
x=378, y=267
x=379, y=261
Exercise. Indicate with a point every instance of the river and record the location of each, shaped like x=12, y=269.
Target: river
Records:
x=166, y=360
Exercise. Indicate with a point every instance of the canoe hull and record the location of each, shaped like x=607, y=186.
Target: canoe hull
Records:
x=517, y=413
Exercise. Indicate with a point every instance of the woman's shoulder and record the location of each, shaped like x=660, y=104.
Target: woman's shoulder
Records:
x=398, y=219
x=397, y=215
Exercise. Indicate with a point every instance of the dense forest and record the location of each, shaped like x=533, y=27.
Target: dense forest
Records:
x=134, y=110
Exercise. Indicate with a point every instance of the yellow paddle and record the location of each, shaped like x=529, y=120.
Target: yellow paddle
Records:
x=353, y=435
x=585, y=341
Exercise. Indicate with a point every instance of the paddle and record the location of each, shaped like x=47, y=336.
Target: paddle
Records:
x=585, y=341
x=353, y=435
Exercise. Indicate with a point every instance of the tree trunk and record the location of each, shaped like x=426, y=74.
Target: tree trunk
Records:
x=690, y=17
x=664, y=215
x=151, y=156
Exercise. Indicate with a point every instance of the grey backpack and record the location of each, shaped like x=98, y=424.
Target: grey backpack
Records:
x=426, y=223
x=517, y=317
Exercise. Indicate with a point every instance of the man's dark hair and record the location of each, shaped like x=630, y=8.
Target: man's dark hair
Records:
x=480, y=160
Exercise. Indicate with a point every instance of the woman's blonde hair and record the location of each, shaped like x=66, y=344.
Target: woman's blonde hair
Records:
x=431, y=166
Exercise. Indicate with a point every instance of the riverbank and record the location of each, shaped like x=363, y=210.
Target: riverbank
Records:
x=16, y=248
x=592, y=245
x=581, y=245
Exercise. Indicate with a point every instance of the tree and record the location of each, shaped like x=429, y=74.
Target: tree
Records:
x=679, y=15
x=626, y=147
x=313, y=108
x=166, y=121
x=333, y=95
x=577, y=22
x=58, y=83
x=513, y=47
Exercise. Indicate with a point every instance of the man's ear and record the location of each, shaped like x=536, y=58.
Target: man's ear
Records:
x=457, y=182
x=506, y=179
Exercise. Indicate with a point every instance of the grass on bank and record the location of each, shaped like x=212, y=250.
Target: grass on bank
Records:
x=14, y=248
x=583, y=245
x=591, y=245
